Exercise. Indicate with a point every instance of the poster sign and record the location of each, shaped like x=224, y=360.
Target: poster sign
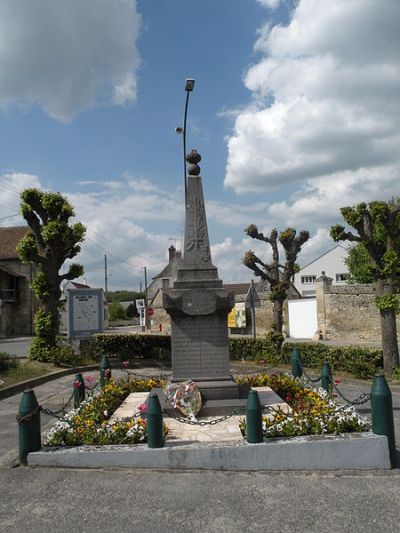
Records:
x=85, y=309
x=237, y=317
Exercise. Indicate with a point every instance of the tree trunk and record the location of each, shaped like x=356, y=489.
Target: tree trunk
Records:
x=390, y=347
x=389, y=340
x=277, y=316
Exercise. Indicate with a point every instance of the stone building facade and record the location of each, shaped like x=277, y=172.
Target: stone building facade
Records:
x=18, y=303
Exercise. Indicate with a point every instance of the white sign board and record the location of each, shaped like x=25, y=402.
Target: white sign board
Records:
x=85, y=312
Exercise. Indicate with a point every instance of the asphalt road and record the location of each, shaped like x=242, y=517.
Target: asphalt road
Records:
x=112, y=500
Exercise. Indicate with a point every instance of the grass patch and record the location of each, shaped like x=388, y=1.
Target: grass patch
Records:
x=24, y=370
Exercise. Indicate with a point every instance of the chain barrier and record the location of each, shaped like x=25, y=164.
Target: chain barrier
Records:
x=363, y=398
x=55, y=414
x=309, y=378
x=143, y=376
x=212, y=422
x=28, y=417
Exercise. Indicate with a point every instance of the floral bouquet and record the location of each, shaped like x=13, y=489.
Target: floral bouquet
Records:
x=185, y=397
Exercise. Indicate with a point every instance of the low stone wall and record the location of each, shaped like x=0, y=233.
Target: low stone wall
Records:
x=348, y=312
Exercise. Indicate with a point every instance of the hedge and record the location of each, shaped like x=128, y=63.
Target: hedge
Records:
x=131, y=346
x=359, y=361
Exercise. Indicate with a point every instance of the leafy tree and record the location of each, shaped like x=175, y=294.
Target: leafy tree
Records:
x=359, y=264
x=278, y=275
x=116, y=311
x=378, y=228
x=123, y=296
x=50, y=242
x=131, y=311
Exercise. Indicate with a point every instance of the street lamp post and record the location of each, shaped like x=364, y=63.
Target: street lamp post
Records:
x=189, y=85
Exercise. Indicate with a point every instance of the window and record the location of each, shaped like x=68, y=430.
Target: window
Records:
x=340, y=278
x=308, y=279
x=308, y=294
x=165, y=283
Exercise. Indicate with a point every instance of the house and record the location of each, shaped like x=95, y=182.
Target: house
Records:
x=331, y=263
x=18, y=303
x=167, y=276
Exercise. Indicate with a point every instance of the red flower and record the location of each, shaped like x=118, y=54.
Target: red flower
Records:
x=77, y=384
x=337, y=381
x=89, y=379
x=143, y=408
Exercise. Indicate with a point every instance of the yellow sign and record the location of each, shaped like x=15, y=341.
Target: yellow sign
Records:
x=237, y=317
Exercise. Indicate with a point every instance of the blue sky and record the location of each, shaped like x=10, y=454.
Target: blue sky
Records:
x=295, y=113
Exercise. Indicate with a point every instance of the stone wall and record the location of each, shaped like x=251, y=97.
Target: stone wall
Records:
x=348, y=312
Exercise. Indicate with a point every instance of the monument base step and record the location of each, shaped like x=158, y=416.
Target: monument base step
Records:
x=227, y=406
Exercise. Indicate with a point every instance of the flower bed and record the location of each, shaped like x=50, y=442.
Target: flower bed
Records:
x=313, y=410
x=90, y=423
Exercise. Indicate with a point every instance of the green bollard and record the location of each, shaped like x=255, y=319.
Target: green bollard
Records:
x=326, y=377
x=105, y=370
x=297, y=369
x=155, y=428
x=382, y=413
x=79, y=390
x=254, y=432
x=29, y=428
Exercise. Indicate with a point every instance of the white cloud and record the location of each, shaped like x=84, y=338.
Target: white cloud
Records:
x=68, y=56
x=324, y=116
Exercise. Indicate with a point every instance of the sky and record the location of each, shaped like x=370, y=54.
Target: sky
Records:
x=295, y=111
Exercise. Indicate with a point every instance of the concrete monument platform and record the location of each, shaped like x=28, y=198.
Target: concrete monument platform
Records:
x=222, y=447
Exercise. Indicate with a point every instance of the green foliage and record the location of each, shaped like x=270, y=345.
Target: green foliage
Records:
x=62, y=354
x=361, y=362
x=131, y=311
x=116, y=311
x=396, y=374
x=388, y=301
x=124, y=296
x=39, y=350
x=50, y=242
x=42, y=323
x=130, y=346
x=359, y=265
x=7, y=362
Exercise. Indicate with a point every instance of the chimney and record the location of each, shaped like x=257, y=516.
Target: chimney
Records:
x=171, y=252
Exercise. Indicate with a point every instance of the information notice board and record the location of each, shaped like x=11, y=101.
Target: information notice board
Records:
x=85, y=308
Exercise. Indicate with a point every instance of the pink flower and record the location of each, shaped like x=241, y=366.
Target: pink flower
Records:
x=77, y=384
x=125, y=364
x=89, y=379
x=107, y=372
x=142, y=408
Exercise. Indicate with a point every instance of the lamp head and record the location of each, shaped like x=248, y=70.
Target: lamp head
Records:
x=189, y=84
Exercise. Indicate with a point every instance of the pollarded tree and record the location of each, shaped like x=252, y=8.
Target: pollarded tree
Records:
x=359, y=264
x=378, y=228
x=50, y=242
x=278, y=274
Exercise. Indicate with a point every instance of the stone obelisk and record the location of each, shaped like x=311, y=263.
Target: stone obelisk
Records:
x=198, y=304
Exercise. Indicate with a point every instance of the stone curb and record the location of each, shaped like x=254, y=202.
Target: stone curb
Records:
x=35, y=382
x=351, y=451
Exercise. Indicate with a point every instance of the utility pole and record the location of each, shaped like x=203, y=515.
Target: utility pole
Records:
x=105, y=276
x=145, y=298
x=253, y=310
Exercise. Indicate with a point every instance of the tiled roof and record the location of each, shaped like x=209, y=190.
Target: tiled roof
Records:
x=9, y=238
x=237, y=288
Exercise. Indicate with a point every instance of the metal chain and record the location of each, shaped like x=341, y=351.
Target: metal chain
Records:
x=144, y=376
x=363, y=398
x=28, y=417
x=62, y=409
x=212, y=422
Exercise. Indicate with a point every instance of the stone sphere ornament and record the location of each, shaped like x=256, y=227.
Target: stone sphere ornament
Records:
x=193, y=158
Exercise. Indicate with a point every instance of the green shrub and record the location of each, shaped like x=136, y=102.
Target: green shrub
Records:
x=130, y=346
x=116, y=312
x=359, y=361
x=7, y=362
x=63, y=354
